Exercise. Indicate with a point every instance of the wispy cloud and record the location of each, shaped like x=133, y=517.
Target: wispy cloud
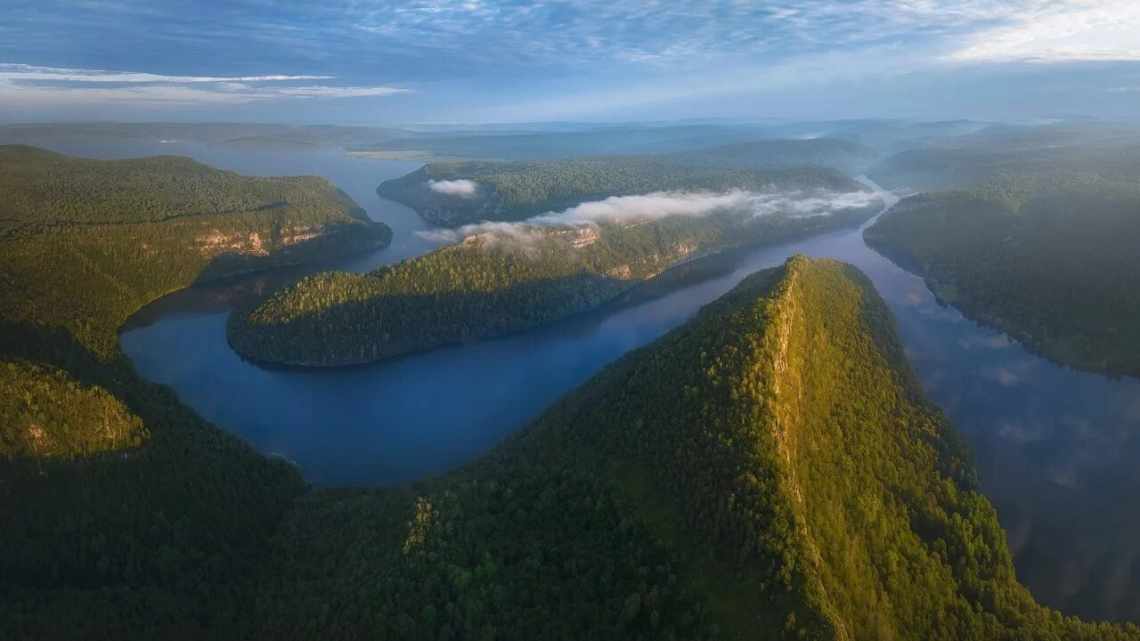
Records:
x=1043, y=31
x=462, y=188
x=653, y=206
x=33, y=73
x=665, y=204
x=31, y=84
x=564, y=58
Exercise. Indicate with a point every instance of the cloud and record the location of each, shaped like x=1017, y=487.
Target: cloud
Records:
x=461, y=188
x=1076, y=31
x=663, y=204
x=521, y=233
x=29, y=84
x=501, y=60
x=28, y=73
x=653, y=206
x=799, y=204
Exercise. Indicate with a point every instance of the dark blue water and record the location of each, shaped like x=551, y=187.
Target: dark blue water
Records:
x=1057, y=450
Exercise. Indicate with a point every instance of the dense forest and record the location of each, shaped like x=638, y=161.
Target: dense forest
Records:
x=1001, y=152
x=514, y=191
x=115, y=499
x=1052, y=260
x=770, y=470
x=767, y=471
x=493, y=283
x=88, y=242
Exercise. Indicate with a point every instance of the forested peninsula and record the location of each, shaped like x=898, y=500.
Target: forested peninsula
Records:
x=451, y=194
x=769, y=470
x=500, y=280
x=1052, y=260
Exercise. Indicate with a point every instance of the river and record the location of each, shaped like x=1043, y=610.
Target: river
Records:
x=1056, y=449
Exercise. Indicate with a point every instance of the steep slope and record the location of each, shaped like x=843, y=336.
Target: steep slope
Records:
x=450, y=194
x=767, y=471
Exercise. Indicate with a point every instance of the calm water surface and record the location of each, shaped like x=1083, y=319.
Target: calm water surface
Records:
x=1057, y=450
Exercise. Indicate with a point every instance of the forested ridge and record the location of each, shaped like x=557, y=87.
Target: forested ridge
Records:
x=492, y=283
x=1052, y=260
x=124, y=514
x=1005, y=152
x=83, y=249
x=513, y=191
x=769, y=470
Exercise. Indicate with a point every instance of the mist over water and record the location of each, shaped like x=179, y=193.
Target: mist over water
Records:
x=663, y=204
x=1055, y=448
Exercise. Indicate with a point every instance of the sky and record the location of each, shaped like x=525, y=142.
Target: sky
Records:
x=383, y=63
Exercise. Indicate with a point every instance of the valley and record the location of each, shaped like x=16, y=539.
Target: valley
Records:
x=496, y=280
x=372, y=445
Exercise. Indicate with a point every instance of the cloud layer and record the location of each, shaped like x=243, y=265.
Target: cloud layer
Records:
x=29, y=84
x=653, y=206
x=550, y=59
x=663, y=204
x=462, y=188
x=1040, y=31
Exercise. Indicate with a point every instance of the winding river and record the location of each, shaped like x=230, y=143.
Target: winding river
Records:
x=1057, y=450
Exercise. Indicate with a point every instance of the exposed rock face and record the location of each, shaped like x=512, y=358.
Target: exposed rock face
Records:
x=253, y=243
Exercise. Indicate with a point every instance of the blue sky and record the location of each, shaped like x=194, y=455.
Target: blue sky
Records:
x=482, y=61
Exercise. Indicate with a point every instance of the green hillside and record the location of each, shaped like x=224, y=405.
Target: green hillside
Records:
x=1053, y=261
x=44, y=412
x=513, y=191
x=768, y=471
x=1005, y=151
x=87, y=242
x=494, y=283
x=116, y=499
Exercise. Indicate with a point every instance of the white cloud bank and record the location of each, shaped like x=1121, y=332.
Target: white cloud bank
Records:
x=1046, y=31
x=663, y=204
x=653, y=206
x=462, y=188
x=30, y=85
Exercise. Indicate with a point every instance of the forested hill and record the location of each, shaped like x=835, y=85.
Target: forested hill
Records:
x=124, y=514
x=504, y=279
x=1054, y=261
x=770, y=470
x=87, y=242
x=456, y=193
x=43, y=188
x=1001, y=152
